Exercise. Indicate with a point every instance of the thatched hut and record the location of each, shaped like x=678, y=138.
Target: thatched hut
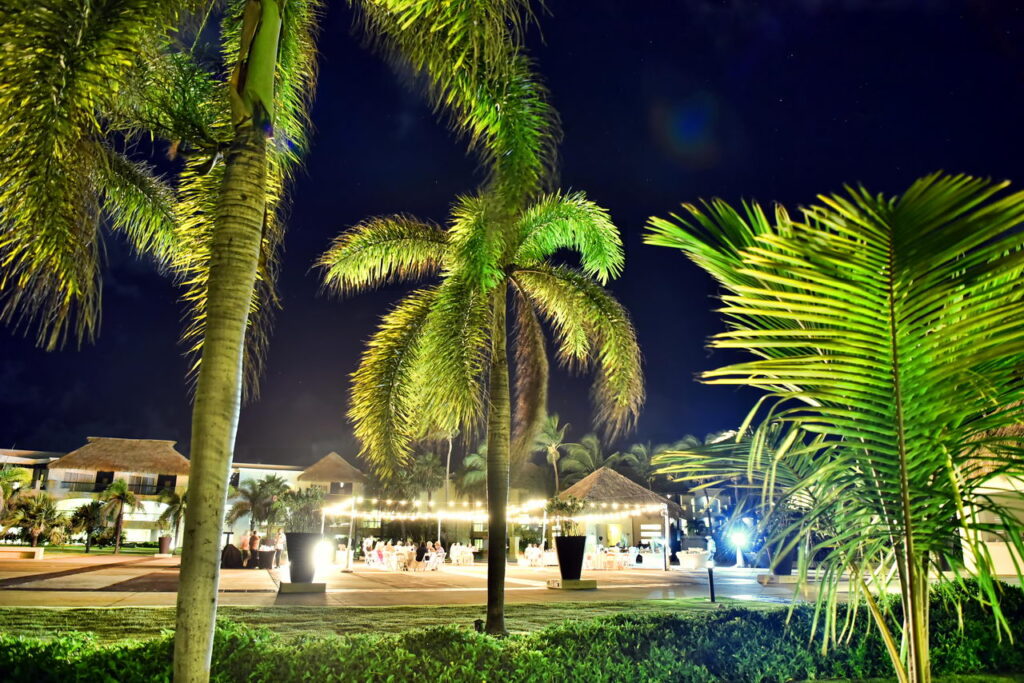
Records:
x=616, y=500
x=332, y=472
x=148, y=465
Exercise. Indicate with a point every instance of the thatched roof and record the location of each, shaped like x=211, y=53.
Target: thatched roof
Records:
x=332, y=467
x=106, y=454
x=608, y=486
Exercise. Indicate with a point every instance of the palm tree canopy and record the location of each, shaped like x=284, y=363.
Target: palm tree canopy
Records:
x=117, y=497
x=88, y=517
x=175, y=506
x=892, y=328
x=443, y=332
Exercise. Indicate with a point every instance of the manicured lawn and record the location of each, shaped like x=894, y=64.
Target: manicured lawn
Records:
x=80, y=549
x=119, y=623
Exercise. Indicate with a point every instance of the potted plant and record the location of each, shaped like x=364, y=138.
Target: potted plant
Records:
x=163, y=539
x=303, y=521
x=569, y=543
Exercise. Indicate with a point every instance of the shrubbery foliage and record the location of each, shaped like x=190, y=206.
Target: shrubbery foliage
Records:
x=735, y=645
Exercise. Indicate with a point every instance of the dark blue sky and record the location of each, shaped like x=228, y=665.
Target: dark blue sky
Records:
x=661, y=102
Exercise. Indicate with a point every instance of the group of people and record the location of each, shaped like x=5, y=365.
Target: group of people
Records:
x=426, y=556
x=251, y=545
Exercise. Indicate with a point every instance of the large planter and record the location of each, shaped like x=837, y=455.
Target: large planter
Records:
x=570, y=556
x=165, y=545
x=301, y=555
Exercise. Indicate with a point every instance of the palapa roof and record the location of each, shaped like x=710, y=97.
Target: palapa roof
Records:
x=608, y=486
x=332, y=467
x=107, y=454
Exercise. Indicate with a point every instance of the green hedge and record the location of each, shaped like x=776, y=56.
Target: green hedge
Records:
x=726, y=645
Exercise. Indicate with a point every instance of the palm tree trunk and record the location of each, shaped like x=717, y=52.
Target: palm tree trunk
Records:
x=35, y=539
x=117, y=528
x=915, y=620
x=499, y=430
x=88, y=540
x=235, y=254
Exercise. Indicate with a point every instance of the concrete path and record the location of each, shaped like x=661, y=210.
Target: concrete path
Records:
x=81, y=581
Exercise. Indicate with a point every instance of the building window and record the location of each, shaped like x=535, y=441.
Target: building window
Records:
x=337, y=487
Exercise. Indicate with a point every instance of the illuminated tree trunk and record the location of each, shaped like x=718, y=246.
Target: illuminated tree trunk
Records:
x=235, y=253
x=118, y=526
x=498, y=447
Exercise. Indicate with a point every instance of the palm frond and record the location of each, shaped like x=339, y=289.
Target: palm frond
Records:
x=591, y=327
x=469, y=53
x=897, y=326
x=456, y=347
x=382, y=251
x=478, y=241
x=570, y=221
x=384, y=392
x=530, y=381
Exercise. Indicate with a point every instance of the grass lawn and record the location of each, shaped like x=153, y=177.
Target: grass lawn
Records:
x=118, y=623
x=80, y=549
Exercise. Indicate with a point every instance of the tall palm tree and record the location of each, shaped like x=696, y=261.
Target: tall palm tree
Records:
x=892, y=327
x=175, y=505
x=439, y=358
x=550, y=440
x=116, y=498
x=90, y=520
x=471, y=479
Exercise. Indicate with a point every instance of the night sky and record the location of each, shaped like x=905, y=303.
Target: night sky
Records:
x=661, y=102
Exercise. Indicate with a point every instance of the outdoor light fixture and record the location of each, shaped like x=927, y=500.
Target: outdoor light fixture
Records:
x=739, y=539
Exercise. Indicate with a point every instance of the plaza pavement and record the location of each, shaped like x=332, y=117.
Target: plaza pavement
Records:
x=133, y=581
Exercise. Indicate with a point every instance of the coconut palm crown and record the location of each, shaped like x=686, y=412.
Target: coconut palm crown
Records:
x=427, y=365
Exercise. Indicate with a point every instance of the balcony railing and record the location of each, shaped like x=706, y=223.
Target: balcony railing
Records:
x=94, y=487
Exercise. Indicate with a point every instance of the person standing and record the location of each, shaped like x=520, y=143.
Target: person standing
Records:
x=254, y=551
x=278, y=548
x=243, y=545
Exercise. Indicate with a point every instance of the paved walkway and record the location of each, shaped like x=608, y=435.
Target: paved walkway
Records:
x=104, y=581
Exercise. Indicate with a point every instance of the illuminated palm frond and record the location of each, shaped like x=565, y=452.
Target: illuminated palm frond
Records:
x=592, y=328
x=63, y=66
x=893, y=327
x=382, y=251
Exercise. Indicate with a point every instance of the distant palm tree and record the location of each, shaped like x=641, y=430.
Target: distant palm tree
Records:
x=256, y=498
x=550, y=440
x=38, y=515
x=90, y=519
x=471, y=479
x=116, y=498
x=586, y=457
x=427, y=474
x=12, y=481
x=174, y=512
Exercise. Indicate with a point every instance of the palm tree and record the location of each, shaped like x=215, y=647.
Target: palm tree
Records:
x=471, y=480
x=891, y=327
x=12, y=481
x=439, y=359
x=175, y=505
x=116, y=498
x=587, y=457
x=38, y=515
x=89, y=519
x=256, y=498
x=550, y=440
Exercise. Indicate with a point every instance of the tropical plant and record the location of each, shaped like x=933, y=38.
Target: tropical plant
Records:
x=89, y=519
x=427, y=474
x=564, y=511
x=12, y=481
x=892, y=327
x=550, y=440
x=116, y=498
x=256, y=498
x=471, y=480
x=37, y=513
x=303, y=510
x=175, y=505
x=586, y=457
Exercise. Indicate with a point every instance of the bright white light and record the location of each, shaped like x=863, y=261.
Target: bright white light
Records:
x=739, y=538
x=323, y=555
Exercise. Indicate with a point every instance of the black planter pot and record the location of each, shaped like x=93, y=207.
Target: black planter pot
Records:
x=570, y=556
x=301, y=552
x=784, y=567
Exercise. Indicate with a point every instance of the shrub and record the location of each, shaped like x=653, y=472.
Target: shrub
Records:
x=725, y=645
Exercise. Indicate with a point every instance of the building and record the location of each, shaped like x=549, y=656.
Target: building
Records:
x=148, y=466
